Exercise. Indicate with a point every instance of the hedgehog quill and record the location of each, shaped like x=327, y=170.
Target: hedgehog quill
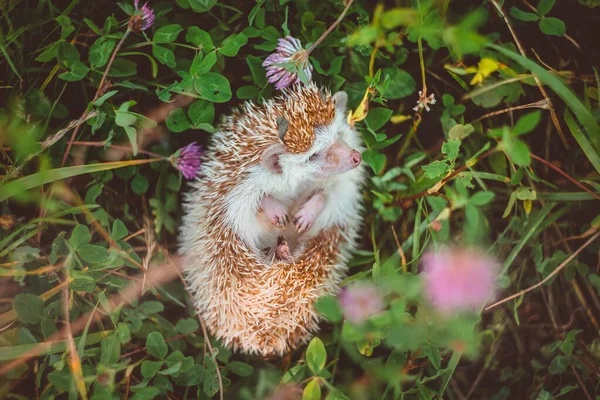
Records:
x=271, y=219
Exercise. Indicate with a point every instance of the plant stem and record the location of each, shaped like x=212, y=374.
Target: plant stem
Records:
x=331, y=28
x=116, y=147
x=546, y=279
x=553, y=115
x=98, y=92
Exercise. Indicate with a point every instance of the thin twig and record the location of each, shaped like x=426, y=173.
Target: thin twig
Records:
x=400, y=251
x=560, y=171
x=158, y=275
x=553, y=115
x=331, y=28
x=441, y=183
x=116, y=147
x=74, y=362
x=100, y=89
x=543, y=104
x=546, y=279
x=205, y=333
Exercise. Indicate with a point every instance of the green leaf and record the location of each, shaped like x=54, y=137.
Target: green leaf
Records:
x=65, y=24
x=247, y=92
x=93, y=26
x=178, y=121
x=100, y=51
x=544, y=6
x=155, y=343
x=329, y=307
x=552, y=26
x=150, y=368
x=559, y=365
x=201, y=112
x=312, y=391
x=203, y=64
x=82, y=281
x=581, y=112
x=80, y=235
x=213, y=87
x=152, y=307
x=517, y=150
x=436, y=169
x=167, y=34
x=124, y=118
x=78, y=71
x=481, y=198
x=140, y=184
x=50, y=53
x=240, y=368
x=199, y=38
x=104, y=97
x=460, y=131
x=187, y=325
x=232, y=44
x=201, y=6
x=522, y=15
x=374, y=159
x=146, y=393
x=434, y=356
x=67, y=53
x=92, y=253
x=119, y=230
x=29, y=308
x=132, y=136
x=164, y=56
x=527, y=123
x=377, y=117
x=316, y=356
x=401, y=84
x=450, y=149
x=123, y=332
x=122, y=67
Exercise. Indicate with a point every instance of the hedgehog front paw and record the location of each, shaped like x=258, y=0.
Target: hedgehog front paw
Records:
x=275, y=211
x=308, y=213
x=304, y=219
x=279, y=219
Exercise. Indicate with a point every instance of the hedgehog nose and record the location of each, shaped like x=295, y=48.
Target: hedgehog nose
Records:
x=356, y=158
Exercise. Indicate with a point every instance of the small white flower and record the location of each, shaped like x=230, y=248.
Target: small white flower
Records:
x=424, y=101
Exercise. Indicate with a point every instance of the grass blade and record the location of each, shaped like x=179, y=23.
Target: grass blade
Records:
x=41, y=178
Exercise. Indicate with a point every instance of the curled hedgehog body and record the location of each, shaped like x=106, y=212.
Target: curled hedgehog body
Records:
x=286, y=149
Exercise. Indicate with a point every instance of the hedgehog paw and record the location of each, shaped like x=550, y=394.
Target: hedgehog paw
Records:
x=307, y=215
x=282, y=252
x=275, y=211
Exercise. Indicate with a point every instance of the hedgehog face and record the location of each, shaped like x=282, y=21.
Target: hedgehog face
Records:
x=330, y=153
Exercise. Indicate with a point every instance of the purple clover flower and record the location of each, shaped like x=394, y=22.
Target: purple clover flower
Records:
x=187, y=160
x=289, y=51
x=359, y=301
x=459, y=279
x=143, y=18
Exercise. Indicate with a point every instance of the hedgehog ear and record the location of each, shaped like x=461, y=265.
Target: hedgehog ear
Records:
x=282, y=127
x=270, y=158
x=340, y=99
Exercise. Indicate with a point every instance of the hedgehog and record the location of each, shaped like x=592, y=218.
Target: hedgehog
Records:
x=286, y=174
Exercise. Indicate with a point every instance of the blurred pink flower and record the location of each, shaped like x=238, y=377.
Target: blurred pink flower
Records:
x=143, y=18
x=459, y=279
x=187, y=160
x=289, y=51
x=359, y=301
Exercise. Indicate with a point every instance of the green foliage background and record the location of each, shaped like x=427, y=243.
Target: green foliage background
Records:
x=84, y=216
